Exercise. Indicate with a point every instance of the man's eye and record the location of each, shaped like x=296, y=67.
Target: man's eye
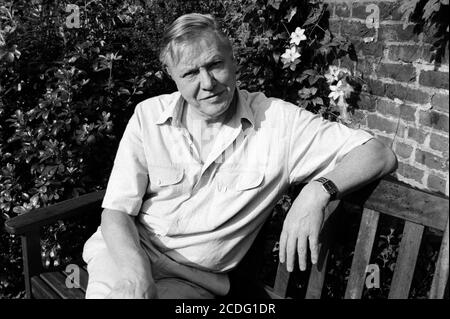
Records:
x=216, y=64
x=190, y=74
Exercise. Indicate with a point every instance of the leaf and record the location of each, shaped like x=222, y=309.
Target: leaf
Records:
x=313, y=16
x=407, y=8
x=276, y=56
x=318, y=101
x=275, y=3
x=34, y=200
x=291, y=13
x=19, y=210
x=430, y=8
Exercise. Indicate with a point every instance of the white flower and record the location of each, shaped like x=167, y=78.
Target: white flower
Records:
x=332, y=74
x=290, y=58
x=290, y=55
x=298, y=35
x=336, y=91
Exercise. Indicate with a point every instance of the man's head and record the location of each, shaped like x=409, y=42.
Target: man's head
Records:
x=199, y=58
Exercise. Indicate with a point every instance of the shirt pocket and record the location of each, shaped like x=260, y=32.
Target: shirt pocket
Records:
x=239, y=181
x=166, y=181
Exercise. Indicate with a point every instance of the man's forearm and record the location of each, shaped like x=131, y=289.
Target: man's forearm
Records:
x=362, y=165
x=122, y=239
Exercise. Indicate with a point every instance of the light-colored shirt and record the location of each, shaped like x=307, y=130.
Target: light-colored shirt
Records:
x=207, y=214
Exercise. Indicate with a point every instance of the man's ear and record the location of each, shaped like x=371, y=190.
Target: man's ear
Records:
x=167, y=70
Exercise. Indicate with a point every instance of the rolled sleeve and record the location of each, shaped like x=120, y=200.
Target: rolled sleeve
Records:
x=129, y=177
x=317, y=145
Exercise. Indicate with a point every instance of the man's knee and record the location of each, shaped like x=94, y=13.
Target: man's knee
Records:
x=176, y=288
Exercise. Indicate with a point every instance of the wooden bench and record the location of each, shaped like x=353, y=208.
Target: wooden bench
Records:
x=417, y=208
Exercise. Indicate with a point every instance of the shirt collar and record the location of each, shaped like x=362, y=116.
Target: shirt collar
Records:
x=175, y=107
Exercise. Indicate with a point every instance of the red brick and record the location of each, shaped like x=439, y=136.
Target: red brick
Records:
x=389, y=11
x=342, y=10
x=359, y=117
x=440, y=102
x=356, y=30
x=431, y=160
x=376, y=87
x=405, y=53
x=359, y=10
x=367, y=102
x=432, y=56
x=427, y=53
x=399, y=72
x=365, y=67
x=347, y=63
x=387, y=107
x=369, y=49
x=403, y=150
x=434, y=119
x=439, y=143
x=382, y=124
x=417, y=135
x=436, y=183
x=410, y=172
x=434, y=79
x=406, y=94
x=408, y=112
x=396, y=33
x=335, y=27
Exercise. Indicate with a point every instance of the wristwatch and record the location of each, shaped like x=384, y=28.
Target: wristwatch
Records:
x=328, y=186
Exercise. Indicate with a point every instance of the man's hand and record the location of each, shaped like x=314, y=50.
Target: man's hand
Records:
x=133, y=289
x=302, y=224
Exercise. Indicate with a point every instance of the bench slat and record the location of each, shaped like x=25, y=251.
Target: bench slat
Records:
x=317, y=275
x=56, y=280
x=40, y=290
x=84, y=277
x=440, y=278
x=399, y=200
x=361, y=257
x=406, y=261
x=271, y=294
x=281, y=281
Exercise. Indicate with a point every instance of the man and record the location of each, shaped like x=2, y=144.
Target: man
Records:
x=198, y=171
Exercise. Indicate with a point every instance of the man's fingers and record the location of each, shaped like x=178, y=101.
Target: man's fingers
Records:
x=314, y=248
x=282, y=247
x=290, y=252
x=301, y=250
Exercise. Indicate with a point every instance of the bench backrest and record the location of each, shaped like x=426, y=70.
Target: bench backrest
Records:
x=417, y=208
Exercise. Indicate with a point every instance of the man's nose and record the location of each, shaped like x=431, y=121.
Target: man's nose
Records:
x=207, y=80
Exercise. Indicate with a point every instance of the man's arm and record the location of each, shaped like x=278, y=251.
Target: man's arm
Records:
x=122, y=239
x=303, y=222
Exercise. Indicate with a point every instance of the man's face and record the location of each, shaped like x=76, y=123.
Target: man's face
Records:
x=205, y=75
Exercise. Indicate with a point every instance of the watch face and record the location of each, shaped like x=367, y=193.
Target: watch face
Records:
x=329, y=187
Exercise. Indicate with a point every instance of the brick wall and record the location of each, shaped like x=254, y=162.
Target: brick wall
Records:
x=405, y=102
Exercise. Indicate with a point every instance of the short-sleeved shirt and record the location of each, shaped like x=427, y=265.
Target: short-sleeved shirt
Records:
x=207, y=214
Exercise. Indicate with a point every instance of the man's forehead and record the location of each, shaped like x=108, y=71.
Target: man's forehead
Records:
x=201, y=48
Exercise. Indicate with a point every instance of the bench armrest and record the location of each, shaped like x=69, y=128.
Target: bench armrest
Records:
x=46, y=215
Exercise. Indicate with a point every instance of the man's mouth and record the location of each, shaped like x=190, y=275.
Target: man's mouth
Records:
x=213, y=95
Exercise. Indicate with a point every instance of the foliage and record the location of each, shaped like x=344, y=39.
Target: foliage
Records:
x=284, y=49
x=430, y=15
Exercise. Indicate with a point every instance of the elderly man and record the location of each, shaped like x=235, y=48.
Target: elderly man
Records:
x=198, y=171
